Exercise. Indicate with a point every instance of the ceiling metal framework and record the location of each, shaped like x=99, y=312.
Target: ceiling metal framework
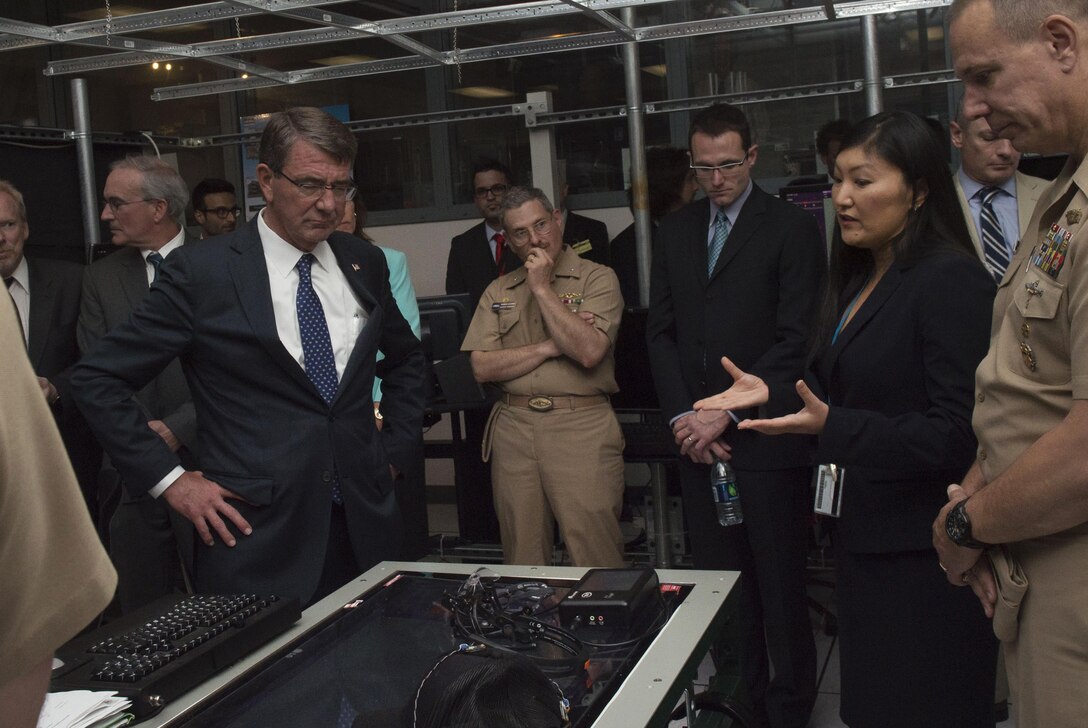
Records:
x=118, y=36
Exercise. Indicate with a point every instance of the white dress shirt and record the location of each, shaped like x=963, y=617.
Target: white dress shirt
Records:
x=20, y=294
x=171, y=245
x=343, y=313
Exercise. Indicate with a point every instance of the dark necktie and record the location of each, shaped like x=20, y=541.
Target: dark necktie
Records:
x=721, y=232
x=156, y=261
x=994, y=246
x=500, y=245
x=317, y=354
x=18, y=318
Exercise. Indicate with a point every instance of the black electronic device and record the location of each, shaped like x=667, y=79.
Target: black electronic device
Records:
x=609, y=599
x=443, y=323
x=171, y=645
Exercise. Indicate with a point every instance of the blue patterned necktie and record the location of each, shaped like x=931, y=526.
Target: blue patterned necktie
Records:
x=156, y=261
x=994, y=246
x=721, y=232
x=317, y=354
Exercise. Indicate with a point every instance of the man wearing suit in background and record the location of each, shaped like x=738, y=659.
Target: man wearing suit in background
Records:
x=277, y=326
x=46, y=297
x=215, y=207
x=991, y=190
x=584, y=235
x=742, y=271
x=478, y=256
x=144, y=203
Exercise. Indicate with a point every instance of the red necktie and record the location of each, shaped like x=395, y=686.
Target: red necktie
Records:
x=500, y=243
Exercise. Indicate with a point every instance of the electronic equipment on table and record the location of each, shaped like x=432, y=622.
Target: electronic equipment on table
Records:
x=166, y=648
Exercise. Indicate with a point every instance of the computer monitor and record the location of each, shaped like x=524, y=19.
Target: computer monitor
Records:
x=814, y=199
x=443, y=323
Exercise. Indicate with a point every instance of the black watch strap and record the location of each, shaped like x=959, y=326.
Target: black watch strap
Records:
x=958, y=527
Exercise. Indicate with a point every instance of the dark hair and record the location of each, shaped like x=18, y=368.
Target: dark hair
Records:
x=488, y=165
x=209, y=186
x=832, y=131
x=308, y=124
x=718, y=119
x=909, y=144
x=667, y=169
x=487, y=688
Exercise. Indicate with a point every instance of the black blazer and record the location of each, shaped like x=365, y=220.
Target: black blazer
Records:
x=900, y=380
x=757, y=308
x=471, y=266
x=264, y=430
x=579, y=229
x=54, y=312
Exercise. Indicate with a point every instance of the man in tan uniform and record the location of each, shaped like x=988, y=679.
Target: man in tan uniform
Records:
x=544, y=334
x=1024, y=64
x=55, y=574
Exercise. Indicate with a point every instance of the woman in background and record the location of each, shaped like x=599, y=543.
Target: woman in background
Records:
x=906, y=320
x=403, y=292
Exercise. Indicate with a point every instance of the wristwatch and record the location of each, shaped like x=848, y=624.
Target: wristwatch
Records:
x=958, y=527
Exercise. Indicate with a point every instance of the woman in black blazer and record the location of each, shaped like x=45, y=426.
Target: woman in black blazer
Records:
x=905, y=322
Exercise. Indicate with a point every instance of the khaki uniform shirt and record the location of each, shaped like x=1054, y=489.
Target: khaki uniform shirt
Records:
x=1038, y=358
x=508, y=316
x=55, y=576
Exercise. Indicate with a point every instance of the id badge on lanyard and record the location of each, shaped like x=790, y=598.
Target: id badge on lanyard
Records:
x=829, y=480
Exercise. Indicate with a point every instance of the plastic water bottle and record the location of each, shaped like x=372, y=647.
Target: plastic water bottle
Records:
x=723, y=486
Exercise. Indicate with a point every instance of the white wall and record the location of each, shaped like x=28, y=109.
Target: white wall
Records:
x=427, y=244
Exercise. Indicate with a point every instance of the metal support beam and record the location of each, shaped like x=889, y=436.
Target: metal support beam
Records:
x=81, y=115
x=541, y=145
x=874, y=100
x=636, y=136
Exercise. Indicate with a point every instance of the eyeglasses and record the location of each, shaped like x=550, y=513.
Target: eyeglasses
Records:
x=222, y=212
x=541, y=227
x=704, y=172
x=493, y=190
x=310, y=190
x=116, y=203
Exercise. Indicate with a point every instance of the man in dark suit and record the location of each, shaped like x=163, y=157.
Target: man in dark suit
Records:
x=46, y=297
x=144, y=203
x=739, y=274
x=478, y=256
x=277, y=326
x=584, y=235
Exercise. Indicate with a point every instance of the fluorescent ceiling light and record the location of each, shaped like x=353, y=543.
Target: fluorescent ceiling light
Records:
x=342, y=60
x=483, y=92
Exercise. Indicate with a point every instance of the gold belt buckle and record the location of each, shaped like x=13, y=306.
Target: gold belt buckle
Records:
x=540, y=403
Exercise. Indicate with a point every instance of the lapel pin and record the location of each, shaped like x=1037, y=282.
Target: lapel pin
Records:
x=355, y=266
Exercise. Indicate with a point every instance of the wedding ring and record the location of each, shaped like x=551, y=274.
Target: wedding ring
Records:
x=943, y=567
x=689, y=439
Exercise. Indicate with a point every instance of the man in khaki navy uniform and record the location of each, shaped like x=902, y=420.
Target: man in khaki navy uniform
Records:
x=544, y=335
x=1024, y=64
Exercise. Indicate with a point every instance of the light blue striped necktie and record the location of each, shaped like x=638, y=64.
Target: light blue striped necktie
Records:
x=994, y=245
x=721, y=232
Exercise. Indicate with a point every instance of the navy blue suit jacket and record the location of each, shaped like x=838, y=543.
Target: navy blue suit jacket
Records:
x=757, y=308
x=264, y=432
x=900, y=379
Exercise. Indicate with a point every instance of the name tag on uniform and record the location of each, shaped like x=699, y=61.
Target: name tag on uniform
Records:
x=582, y=247
x=829, y=490
x=502, y=306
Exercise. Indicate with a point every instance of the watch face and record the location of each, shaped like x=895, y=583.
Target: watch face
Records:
x=957, y=525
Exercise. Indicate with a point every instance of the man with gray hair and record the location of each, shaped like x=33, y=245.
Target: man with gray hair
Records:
x=277, y=325
x=544, y=334
x=1024, y=503
x=143, y=202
